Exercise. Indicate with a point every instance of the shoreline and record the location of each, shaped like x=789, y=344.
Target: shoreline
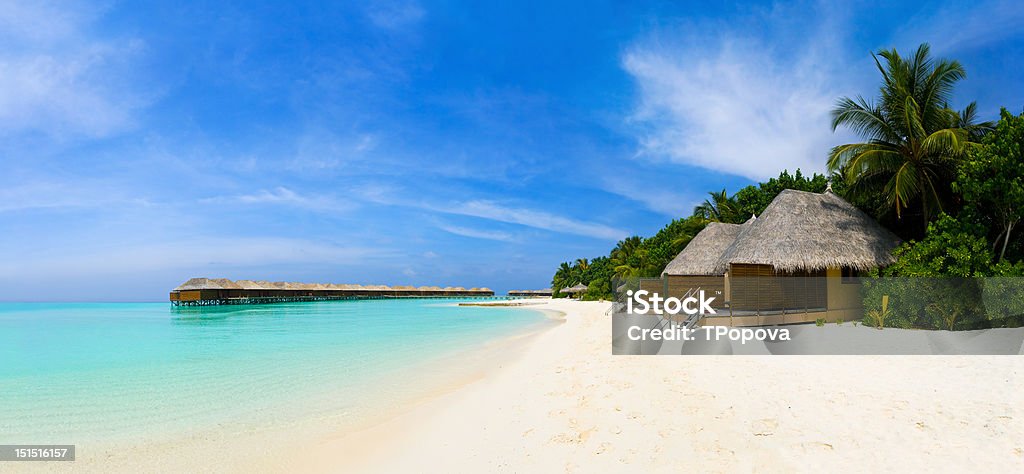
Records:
x=262, y=441
x=566, y=403
x=556, y=398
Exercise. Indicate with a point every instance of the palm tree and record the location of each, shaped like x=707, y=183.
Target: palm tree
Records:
x=627, y=257
x=562, y=277
x=720, y=208
x=913, y=139
x=582, y=264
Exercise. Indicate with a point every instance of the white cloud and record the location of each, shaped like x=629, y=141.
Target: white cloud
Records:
x=477, y=233
x=485, y=209
x=53, y=194
x=58, y=79
x=283, y=196
x=532, y=218
x=721, y=98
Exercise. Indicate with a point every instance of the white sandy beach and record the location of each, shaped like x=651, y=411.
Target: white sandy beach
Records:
x=559, y=401
x=567, y=404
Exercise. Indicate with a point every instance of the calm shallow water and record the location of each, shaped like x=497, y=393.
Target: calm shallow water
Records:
x=75, y=372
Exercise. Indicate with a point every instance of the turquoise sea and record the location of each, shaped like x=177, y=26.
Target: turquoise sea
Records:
x=113, y=371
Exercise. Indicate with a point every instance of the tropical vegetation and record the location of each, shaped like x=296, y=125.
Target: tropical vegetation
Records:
x=914, y=141
x=637, y=256
x=949, y=184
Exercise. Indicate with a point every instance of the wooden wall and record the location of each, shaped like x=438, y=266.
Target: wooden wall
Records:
x=760, y=288
x=676, y=286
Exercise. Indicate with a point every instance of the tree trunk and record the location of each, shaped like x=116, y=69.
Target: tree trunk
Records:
x=924, y=213
x=1006, y=240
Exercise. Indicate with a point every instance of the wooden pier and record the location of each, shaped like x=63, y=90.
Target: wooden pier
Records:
x=221, y=291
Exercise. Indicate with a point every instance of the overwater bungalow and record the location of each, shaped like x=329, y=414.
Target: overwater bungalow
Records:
x=546, y=292
x=214, y=291
x=797, y=262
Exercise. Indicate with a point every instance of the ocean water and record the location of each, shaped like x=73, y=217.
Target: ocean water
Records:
x=103, y=372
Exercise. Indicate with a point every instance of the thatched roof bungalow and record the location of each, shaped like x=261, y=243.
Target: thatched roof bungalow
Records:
x=800, y=255
x=531, y=293
x=206, y=291
x=696, y=267
x=576, y=289
x=702, y=253
x=810, y=232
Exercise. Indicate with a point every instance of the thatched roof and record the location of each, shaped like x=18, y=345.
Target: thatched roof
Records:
x=225, y=284
x=205, y=284
x=802, y=231
x=578, y=288
x=702, y=253
x=253, y=285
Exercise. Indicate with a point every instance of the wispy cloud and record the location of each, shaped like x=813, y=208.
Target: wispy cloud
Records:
x=55, y=194
x=477, y=233
x=490, y=210
x=722, y=98
x=283, y=196
x=58, y=79
x=533, y=218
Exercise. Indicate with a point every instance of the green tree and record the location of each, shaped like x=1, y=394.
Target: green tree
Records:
x=950, y=248
x=991, y=180
x=562, y=277
x=752, y=200
x=719, y=208
x=913, y=139
x=667, y=243
x=628, y=257
x=934, y=283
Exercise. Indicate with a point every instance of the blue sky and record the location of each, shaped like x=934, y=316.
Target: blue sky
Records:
x=407, y=142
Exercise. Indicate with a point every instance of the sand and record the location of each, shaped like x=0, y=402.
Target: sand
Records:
x=566, y=404
x=559, y=401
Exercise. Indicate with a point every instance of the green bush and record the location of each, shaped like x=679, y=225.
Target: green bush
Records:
x=934, y=283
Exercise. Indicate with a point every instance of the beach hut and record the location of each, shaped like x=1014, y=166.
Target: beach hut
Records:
x=802, y=255
x=576, y=290
x=531, y=293
x=696, y=267
x=794, y=263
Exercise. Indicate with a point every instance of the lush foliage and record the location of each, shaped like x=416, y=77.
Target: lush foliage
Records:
x=647, y=257
x=961, y=269
x=991, y=181
x=946, y=281
x=914, y=141
x=752, y=200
